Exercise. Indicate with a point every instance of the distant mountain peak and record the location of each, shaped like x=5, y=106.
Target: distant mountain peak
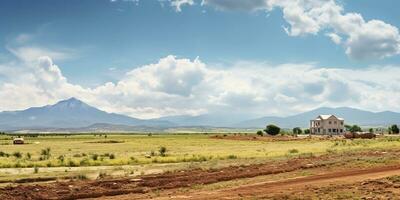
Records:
x=70, y=103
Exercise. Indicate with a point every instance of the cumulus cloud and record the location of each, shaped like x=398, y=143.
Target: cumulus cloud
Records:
x=180, y=86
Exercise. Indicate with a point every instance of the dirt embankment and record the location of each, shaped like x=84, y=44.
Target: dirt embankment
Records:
x=144, y=184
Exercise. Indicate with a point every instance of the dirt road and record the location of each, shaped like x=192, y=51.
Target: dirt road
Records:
x=270, y=189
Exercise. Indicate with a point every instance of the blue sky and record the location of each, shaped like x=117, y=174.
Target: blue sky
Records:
x=93, y=43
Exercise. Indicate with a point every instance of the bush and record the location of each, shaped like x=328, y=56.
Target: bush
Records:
x=162, y=151
x=61, y=158
x=260, y=133
x=293, y=151
x=36, y=170
x=307, y=131
x=297, y=131
x=95, y=156
x=272, y=129
x=3, y=154
x=394, y=129
x=17, y=154
x=45, y=154
x=112, y=156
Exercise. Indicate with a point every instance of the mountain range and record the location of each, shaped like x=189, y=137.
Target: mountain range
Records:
x=75, y=115
x=70, y=113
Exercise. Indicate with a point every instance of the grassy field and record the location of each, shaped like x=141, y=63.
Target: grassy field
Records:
x=116, y=150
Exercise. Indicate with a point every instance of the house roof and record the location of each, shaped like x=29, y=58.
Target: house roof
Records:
x=325, y=117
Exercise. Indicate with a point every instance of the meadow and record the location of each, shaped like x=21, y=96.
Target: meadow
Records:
x=227, y=160
x=119, y=150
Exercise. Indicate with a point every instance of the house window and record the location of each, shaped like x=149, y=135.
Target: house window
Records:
x=341, y=123
x=334, y=130
x=329, y=130
x=341, y=130
x=335, y=122
x=330, y=122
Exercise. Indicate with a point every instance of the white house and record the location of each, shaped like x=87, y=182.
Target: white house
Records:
x=327, y=124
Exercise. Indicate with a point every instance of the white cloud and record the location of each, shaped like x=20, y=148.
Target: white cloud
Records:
x=179, y=3
x=176, y=86
x=361, y=39
x=32, y=53
x=335, y=38
x=246, y=5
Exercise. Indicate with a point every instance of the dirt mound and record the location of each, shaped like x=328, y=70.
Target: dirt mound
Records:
x=359, y=135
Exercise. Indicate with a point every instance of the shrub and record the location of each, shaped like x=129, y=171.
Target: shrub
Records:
x=307, y=131
x=17, y=154
x=3, y=154
x=272, y=129
x=95, y=156
x=28, y=156
x=162, y=151
x=297, y=131
x=81, y=177
x=112, y=156
x=394, y=129
x=61, y=158
x=36, y=170
x=45, y=154
x=71, y=163
x=260, y=133
x=232, y=157
x=293, y=151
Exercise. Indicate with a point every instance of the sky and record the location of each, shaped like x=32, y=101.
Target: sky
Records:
x=247, y=58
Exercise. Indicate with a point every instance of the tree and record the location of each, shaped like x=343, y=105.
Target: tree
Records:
x=260, y=133
x=395, y=129
x=353, y=129
x=307, y=131
x=297, y=131
x=272, y=130
x=347, y=127
x=371, y=130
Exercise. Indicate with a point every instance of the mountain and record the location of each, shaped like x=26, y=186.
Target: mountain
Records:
x=75, y=115
x=350, y=115
x=70, y=113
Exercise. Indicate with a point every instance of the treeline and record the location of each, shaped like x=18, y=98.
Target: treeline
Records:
x=272, y=130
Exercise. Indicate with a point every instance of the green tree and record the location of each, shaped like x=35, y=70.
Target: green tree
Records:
x=354, y=128
x=260, y=133
x=272, y=129
x=395, y=129
x=297, y=131
x=371, y=130
x=307, y=131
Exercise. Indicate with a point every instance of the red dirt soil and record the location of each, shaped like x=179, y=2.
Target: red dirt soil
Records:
x=144, y=184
